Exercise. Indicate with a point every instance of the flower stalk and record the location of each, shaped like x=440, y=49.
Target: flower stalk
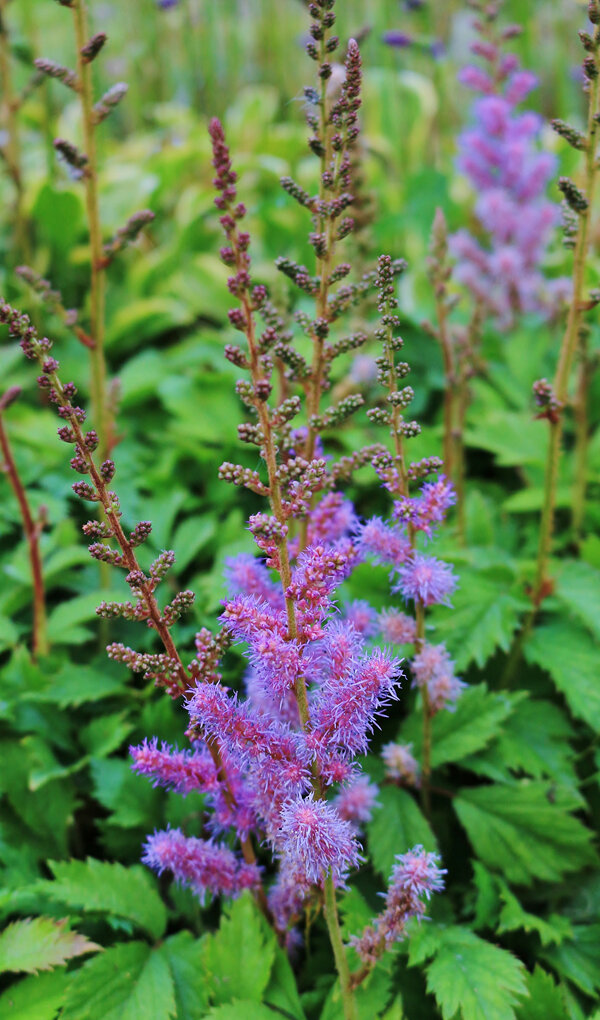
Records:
x=31, y=528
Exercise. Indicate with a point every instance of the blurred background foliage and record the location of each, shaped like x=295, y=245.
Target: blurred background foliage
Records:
x=66, y=784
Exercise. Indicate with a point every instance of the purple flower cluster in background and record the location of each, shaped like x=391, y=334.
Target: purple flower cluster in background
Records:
x=500, y=154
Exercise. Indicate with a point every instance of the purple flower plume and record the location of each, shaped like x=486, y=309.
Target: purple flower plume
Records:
x=204, y=866
x=314, y=837
x=426, y=579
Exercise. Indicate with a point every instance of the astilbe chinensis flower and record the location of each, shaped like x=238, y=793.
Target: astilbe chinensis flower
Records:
x=400, y=763
x=500, y=154
x=414, y=878
x=278, y=767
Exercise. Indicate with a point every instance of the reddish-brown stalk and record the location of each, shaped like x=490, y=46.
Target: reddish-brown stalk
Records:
x=39, y=640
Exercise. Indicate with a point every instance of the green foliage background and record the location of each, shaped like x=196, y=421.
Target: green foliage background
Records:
x=516, y=769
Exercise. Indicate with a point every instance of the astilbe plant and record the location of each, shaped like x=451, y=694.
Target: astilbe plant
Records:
x=279, y=766
x=501, y=157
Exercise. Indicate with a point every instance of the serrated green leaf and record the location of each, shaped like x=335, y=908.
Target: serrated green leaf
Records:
x=282, y=992
x=130, y=797
x=74, y=685
x=524, y=830
x=476, y=720
x=242, y=1009
x=473, y=979
x=577, y=959
x=534, y=740
x=485, y=617
x=127, y=982
x=237, y=959
x=396, y=826
x=182, y=953
x=545, y=1000
x=64, y=620
x=40, y=943
x=578, y=588
x=572, y=658
x=371, y=997
x=34, y=998
x=108, y=888
x=514, y=918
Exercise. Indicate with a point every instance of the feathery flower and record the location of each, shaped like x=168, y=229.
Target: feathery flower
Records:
x=181, y=771
x=204, y=866
x=396, y=627
x=315, y=839
x=384, y=543
x=355, y=802
x=433, y=669
x=426, y=579
x=416, y=876
x=400, y=763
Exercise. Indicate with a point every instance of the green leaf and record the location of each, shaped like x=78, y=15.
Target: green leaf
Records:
x=40, y=943
x=237, y=959
x=182, y=953
x=282, y=991
x=372, y=997
x=127, y=982
x=514, y=918
x=545, y=1001
x=485, y=616
x=572, y=658
x=578, y=588
x=476, y=721
x=64, y=621
x=75, y=684
x=108, y=888
x=130, y=798
x=577, y=959
x=34, y=998
x=534, y=740
x=242, y=1009
x=515, y=438
x=396, y=826
x=191, y=536
x=471, y=978
x=524, y=830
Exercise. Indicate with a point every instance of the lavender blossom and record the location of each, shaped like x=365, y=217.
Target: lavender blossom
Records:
x=501, y=157
x=316, y=839
x=426, y=579
x=209, y=869
x=414, y=878
x=400, y=764
x=355, y=802
x=433, y=670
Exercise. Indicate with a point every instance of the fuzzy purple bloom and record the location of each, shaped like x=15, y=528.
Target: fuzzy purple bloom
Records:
x=400, y=764
x=204, y=866
x=181, y=771
x=426, y=579
x=355, y=802
x=433, y=670
x=501, y=157
x=414, y=878
x=383, y=543
x=314, y=838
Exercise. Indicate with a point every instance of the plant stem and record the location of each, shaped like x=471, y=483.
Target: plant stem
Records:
x=567, y=351
x=100, y=408
x=580, y=407
x=335, y=937
x=12, y=148
x=39, y=643
x=427, y=735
